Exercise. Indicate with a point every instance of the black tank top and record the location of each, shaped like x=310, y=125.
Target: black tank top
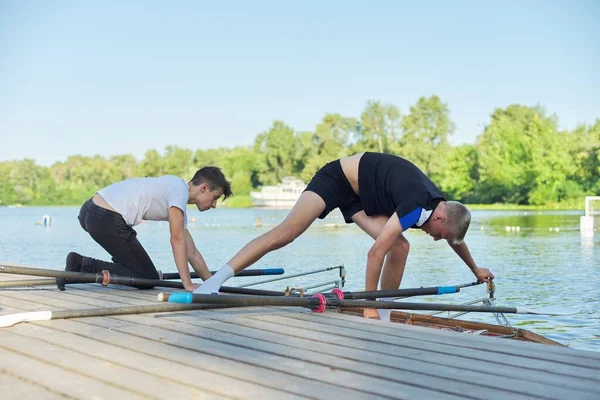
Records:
x=389, y=184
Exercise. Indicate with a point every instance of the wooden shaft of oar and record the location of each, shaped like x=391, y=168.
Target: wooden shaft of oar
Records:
x=27, y=282
x=7, y=320
x=320, y=302
x=50, y=273
x=127, y=310
x=106, y=279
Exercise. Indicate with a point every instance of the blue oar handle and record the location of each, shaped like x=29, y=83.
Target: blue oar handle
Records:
x=181, y=297
x=273, y=271
x=447, y=289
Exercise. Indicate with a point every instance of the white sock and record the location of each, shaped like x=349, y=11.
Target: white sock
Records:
x=384, y=313
x=214, y=283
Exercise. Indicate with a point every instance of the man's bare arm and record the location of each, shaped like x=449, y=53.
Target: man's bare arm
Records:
x=178, y=246
x=482, y=274
x=390, y=232
x=195, y=258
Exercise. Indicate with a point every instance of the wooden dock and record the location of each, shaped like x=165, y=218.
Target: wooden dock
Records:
x=265, y=353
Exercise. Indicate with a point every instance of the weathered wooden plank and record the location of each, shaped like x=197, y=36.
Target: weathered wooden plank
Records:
x=34, y=300
x=282, y=359
x=300, y=329
x=65, y=300
x=342, y=360
x=193, y=356
x=17, y=388
x=7, y=307
x=106, y=297
x=61, y=380
x=261, y=335
x=111, y=373
x=155, y=365
x=114, y=292
x=515, y=346
x=325, y=325
x=533, y=350
x=103, y=304
x=499, y=387
x=590, y=359
x=132, y=293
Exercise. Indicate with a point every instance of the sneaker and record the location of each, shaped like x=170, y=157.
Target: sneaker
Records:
x=73, y=264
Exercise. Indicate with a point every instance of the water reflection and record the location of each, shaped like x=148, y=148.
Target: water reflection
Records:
x=529, y=223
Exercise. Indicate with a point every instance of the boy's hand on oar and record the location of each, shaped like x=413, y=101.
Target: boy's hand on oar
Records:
x=483, y=274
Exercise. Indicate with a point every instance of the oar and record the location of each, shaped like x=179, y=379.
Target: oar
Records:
x=105, y=278
x=166, y=276
x=319, y=303
x=12, y=319
x=80, y=277
x=248, y=272
x=434, y=290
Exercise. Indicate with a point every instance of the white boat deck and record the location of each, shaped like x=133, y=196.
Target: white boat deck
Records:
x=267, y=353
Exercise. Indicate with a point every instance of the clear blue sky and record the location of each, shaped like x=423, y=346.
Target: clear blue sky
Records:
x=114, y=77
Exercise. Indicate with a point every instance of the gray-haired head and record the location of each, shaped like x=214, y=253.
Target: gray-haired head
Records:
x=458, y=218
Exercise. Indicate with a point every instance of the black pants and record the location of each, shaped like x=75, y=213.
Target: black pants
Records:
x=110, y=231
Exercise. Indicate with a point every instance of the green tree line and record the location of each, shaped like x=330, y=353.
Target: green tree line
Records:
x=521, y=157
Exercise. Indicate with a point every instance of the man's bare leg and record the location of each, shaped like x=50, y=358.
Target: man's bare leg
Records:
x=395, y=259
x=395, y=263
x=308, y=207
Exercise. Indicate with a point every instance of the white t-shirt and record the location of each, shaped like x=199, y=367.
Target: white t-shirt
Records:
x=147, y=198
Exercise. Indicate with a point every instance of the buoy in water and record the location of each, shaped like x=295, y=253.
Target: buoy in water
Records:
x=45, y=221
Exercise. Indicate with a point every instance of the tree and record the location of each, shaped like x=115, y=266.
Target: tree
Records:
x=178, y=161
x=379, y=126
x=521, y=158
x=585, y=152
x=425, y=132
x=278, y=148
x=152, y=164
x=241, y=166
x=458, y=179
x=123, y=166
x=329, y=142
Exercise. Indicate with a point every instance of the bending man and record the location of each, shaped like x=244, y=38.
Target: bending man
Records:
x=384, y=195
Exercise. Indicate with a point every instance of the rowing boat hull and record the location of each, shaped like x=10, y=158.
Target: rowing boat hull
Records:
x=463, y=326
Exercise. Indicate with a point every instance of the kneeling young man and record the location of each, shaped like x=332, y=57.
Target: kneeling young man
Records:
x=384, y=195
x=109, y=217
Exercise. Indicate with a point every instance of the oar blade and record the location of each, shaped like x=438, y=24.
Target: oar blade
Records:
x=13, y=319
